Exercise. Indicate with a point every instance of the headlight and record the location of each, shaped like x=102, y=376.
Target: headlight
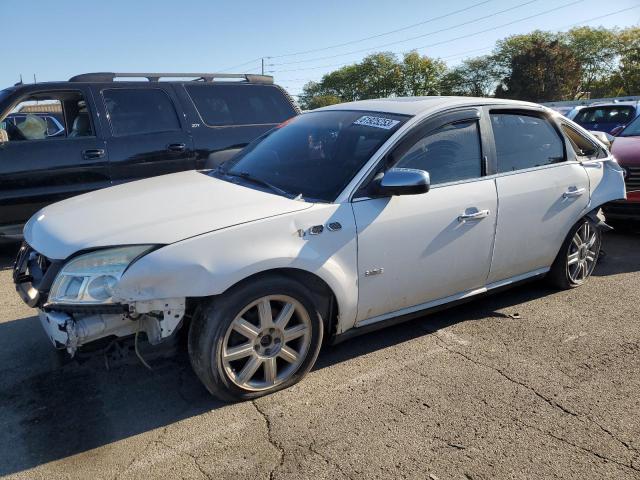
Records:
x=91, y=278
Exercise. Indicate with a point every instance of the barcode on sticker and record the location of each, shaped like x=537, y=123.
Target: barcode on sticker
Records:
x=377, y=122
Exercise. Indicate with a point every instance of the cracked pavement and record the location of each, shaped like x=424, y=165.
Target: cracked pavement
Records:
x=527, y=383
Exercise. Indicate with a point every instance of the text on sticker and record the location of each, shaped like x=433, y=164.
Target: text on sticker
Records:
x=377, y=122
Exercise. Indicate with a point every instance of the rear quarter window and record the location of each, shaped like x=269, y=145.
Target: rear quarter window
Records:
x=227, y=105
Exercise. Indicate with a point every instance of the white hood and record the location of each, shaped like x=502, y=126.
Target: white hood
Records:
x=159, y=210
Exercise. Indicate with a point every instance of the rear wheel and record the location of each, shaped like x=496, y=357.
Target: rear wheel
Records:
x=256, y=339
x=578, y=256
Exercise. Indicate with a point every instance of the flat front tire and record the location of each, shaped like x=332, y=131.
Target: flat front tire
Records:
x=256, y=339
x=578, y=255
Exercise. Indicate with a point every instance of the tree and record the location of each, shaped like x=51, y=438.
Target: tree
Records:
x=537, y=67
x=421, y=75
x=626, y=80
x=475, y=77
x=596, y=51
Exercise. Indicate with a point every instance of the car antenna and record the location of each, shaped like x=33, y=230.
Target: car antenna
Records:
x=20, y=82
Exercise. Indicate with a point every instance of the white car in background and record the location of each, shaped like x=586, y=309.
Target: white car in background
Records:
x=342, y=220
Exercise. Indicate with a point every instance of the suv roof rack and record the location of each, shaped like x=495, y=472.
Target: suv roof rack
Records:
x=155, y=77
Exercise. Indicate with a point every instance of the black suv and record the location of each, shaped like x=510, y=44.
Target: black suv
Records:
x=112, y=132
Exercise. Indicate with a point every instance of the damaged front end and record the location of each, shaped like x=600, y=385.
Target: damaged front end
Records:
x=76, y=300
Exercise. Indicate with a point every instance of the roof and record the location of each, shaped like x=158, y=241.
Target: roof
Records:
x=417, y=105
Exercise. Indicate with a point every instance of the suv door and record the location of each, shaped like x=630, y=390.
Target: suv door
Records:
x=417, y=250
x=145, y=134
x=37, y=169
x=542, y=192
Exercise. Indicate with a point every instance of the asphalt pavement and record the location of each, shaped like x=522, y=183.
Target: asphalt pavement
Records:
x=530, y=383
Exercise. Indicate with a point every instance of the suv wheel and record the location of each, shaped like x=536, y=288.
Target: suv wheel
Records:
x=255, y=339
x=578, y=256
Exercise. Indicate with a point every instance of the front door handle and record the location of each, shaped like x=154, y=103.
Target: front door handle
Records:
x=177, y=147
x=93, y=154
x=573, y=192
x=474, y=215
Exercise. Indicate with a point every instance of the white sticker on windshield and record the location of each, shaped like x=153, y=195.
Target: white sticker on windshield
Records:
x=377, y=122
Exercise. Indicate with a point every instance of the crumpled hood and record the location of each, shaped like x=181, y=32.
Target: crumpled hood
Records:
x=159, y=210
x=627, y=151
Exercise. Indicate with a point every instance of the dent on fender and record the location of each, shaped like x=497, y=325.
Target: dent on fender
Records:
x=210, y=264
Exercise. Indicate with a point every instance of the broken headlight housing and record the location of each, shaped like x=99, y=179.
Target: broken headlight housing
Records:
x=90, y=278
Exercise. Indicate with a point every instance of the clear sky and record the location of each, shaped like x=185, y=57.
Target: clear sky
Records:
x=57, y=39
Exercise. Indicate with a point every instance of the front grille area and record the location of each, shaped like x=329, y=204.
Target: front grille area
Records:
x=632, y=181
x=33, y=274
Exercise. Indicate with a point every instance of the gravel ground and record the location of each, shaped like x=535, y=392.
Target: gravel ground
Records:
x=528, y=383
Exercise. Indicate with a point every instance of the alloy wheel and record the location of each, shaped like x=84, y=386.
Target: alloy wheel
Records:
x=266, y=342
x=583, y=253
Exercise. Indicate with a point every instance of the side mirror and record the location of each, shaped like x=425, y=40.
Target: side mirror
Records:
x=403, y=181
x=617, y=130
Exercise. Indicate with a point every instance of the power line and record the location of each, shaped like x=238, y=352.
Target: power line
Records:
x=302, y=52
x=457, y=38
x=242, y=64
x=429, y=20
x=599, y=17
x=528, y=2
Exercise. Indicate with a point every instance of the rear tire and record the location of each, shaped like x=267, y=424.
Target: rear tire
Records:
x=256, y=339
x=577, y=257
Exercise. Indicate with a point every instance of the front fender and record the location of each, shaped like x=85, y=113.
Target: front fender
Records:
x=211, y=263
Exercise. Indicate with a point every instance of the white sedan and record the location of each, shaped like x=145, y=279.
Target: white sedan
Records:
x=342, y=220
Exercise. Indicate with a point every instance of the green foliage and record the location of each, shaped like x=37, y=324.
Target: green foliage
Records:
x=538, y=66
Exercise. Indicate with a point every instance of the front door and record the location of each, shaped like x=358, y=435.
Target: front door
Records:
x=39, y=166
x=417, y=249
x=145, y=135
x=542, y=192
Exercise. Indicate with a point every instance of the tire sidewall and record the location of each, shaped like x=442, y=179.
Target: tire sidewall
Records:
x=206, y=337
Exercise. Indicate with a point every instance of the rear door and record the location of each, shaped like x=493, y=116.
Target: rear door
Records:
x=36, y=168
x=542, y=192
x=146, y=135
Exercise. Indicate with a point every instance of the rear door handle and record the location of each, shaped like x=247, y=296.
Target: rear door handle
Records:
x=476, y=215
x=93, y=154
x=177, y=147
x=573, y=192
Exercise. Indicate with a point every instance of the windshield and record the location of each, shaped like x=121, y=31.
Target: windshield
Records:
x=314, y=155
x=632, y=130
x=611, y=114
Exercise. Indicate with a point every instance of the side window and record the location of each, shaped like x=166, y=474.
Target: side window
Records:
x=48, y=115
x=223, y=105
x=582, y=145
x=450, y=153
x=136, y=111
x=525, y=141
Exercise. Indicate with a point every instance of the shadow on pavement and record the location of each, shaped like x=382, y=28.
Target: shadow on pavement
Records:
x=63, y=410
x=51, y=411
x=622, y=254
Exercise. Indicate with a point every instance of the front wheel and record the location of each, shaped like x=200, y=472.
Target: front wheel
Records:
x=256, y=339
x=578, y=255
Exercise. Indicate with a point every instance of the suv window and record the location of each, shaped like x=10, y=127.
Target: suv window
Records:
x=450, y=153
x=49, y=115
x=611, y=114
x=525, y=141
x=583, y=146
x=223, y=105
x=137, y=111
